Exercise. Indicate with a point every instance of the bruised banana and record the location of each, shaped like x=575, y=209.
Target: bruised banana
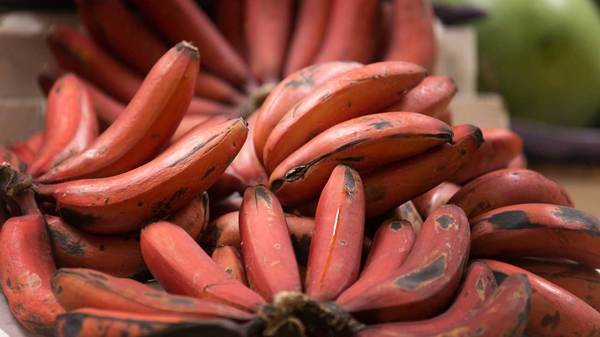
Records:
x=228, y=258
x=146, y=124
x=26, y=267
x=399, y=182
x=435, y=197
x=110, y=323
x=537, y=230
x=424, y=284
x=87, y=288
x=508, y=187
x=71, y=125
x=503, y=314
x=289, y=92
x=581, y=281
x=267, y=250
x=182, y=267
x=554, y=311
x=355, y=93
x=363, y=143
x=336, y=246
x=154, y=190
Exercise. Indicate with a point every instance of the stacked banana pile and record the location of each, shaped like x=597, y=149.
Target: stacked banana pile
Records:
x=315, y=221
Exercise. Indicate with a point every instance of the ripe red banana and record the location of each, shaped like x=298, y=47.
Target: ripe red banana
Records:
x=246, y=166
x=508, y=187
x=228, y=259
x=335, y=249
x=109, y=323
x=146, y=124
x=71, y=125
x=308, y=34
x=229, y=18
x=554, y=311
x=154, y=190
x=581, y=281
x=407, y=211
x=413, y=39
x=27, y=150
x=87, y=288
x=267, y=250
x=426, y=281
x=116, y=255
x=364, y=143
x=194, y=25
x=350, y=32
x=182, y=267
x=194, y=217
x=288, y=92
x=77, y=53
x=190, y=122
x=499, y=148
x=435, y=197
x=267, y=25
x=357, y=92
x=399, y=182
x=478, y=287
x=26, y=267
x=504, y=314
x=431, y=97
x=537, y=230
x=391, y=246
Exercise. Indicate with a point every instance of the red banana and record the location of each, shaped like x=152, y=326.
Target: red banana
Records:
x=435, y=197
x=431, y=97
x=267, y=250
x=508, y=187
x=229, y=18
x=335, y=249
x=228, y=259
x=182, y=267
x=426, y=281
x=27, y=150
x=26, y=267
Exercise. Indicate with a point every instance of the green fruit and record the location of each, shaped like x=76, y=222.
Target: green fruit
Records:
x=543, y=56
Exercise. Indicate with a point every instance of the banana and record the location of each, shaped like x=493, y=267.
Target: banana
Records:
x=357, y=92
x=351, y=27
x=71, y=125
x=154, y=190
x=26, y=267
x=229, y=18
x=413, y=39
x=499, y=148
x=194, y=25
x=435, y=197
x=519, y=161
x=194, y=217
x=228, y=259
x=183, y=268
x=267, y=250
x=399, y=182
x=426, y=281
x=391, y=246
x=108, y=323
x=189, y=122
x=289, y=92
x=78, y=53
x=504, y=314
x=335, y=249
x=431, y=97
x=116, y=255
x=214, y=88
x=554, y=311
x=581, y=281
x=267, y=24
x=478, y=287
x=106, y=107
x=146, y=124
x=508, y=187
x=87, y=288
x=537, y=230
x=199, y=106
x=364, y=143
x=308, y=34
x=246, y=166
x=407, y=211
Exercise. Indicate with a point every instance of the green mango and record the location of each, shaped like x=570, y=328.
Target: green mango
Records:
x=543, y=56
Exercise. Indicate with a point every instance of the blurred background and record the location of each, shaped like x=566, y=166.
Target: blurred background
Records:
x=531, y=65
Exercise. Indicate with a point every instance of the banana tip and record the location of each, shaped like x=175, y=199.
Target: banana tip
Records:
x=188, y=47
